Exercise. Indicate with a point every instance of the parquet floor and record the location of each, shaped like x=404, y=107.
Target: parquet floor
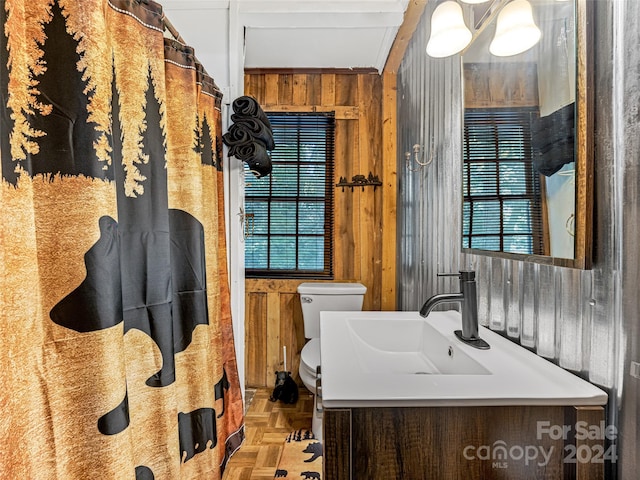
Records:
x=267, y=425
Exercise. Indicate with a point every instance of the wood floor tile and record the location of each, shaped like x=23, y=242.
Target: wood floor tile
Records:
x=267, y=425
x=269, y=455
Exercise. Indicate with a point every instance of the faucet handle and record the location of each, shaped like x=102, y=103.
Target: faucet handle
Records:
x=464, y=275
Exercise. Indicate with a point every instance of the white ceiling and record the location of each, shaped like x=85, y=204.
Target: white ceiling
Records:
x=330, y=34
x=290, y=33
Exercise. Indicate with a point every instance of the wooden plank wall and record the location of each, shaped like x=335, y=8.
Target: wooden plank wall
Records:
x=273, y=314
x=500, y=84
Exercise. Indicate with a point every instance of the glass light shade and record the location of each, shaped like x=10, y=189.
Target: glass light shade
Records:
x=449, y=34
x=516, y=32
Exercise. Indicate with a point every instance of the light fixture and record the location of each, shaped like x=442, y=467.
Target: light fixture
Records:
x=474, y=1
x=516, y=31
x=449, y=34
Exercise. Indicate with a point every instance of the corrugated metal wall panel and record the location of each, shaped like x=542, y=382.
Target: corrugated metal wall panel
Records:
x=429, y=103
x=626, y=132
x=545, y=307
x=586, y=321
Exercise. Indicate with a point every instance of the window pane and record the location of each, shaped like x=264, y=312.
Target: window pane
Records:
x=311, y=253
x=312, y=152
x=517, y=217
x=283, y=253
x=311, y=218
x=283, y=217
x=513, y=178
x=486, y=217
x=486, y=243
x=466, y=214
x=257, y=186
x=312, y=180
x=481, y=142
x=518, y=244
x=483, y=179
x=510, y=141
x=255, y=252
x=286, y=139
x=258, y=224
x=284, y=180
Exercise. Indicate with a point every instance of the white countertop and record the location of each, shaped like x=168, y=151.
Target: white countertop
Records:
x=506, y=374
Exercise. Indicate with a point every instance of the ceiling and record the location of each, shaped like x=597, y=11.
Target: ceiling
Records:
x=322, y=34
x=292, y=34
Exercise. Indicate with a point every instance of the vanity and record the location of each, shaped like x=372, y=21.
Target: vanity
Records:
x=404, y=398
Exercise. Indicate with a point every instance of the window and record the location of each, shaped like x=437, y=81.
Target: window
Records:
x=291, y=211
x=502, y=209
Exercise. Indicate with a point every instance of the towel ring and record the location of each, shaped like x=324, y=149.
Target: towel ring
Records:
x=570, y=225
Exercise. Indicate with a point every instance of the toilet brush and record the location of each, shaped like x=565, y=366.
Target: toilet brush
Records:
x=284, y=356
x=286, y=389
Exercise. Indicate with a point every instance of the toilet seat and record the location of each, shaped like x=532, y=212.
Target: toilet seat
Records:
x=309, y=361
x=310, y=355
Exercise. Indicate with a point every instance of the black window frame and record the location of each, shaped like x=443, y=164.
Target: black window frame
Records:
x=492, y=119
x=304, y=122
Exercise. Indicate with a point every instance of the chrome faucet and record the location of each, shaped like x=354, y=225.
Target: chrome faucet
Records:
x=469, y=305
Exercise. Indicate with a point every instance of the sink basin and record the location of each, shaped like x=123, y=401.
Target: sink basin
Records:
x=381, y=359
x=407, y=346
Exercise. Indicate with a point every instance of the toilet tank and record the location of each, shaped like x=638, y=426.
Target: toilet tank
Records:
x=318, y=297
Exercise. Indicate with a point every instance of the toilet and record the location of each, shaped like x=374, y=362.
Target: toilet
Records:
x=315, y=298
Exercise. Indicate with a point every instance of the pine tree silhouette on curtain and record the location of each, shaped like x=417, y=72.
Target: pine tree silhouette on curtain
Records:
x=204, y=146
x=6, y=122
x=67, y=145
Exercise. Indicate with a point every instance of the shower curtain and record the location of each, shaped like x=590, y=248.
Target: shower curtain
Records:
x=117, y=358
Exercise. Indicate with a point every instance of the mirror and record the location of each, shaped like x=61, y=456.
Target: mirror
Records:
x=527, y=134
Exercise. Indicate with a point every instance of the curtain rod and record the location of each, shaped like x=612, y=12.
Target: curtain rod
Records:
x=172, y=30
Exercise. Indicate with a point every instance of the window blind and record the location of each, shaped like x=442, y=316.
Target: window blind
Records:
x=291, y=232
x=502, y=208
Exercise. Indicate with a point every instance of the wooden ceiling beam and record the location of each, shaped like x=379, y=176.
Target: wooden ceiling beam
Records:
x=412, y=17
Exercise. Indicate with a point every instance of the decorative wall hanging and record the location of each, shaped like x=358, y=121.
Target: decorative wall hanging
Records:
x=360, y=181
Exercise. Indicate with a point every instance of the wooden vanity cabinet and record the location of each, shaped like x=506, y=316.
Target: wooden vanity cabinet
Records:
x=462, y=443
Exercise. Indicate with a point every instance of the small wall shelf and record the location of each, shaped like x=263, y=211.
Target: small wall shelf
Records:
x=360, y=181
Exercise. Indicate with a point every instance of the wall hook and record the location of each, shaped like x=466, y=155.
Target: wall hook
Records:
x=360, y=181
x=416, y=157
x=247, y=222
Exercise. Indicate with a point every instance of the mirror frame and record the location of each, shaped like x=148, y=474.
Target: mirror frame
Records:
x=584, y=149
